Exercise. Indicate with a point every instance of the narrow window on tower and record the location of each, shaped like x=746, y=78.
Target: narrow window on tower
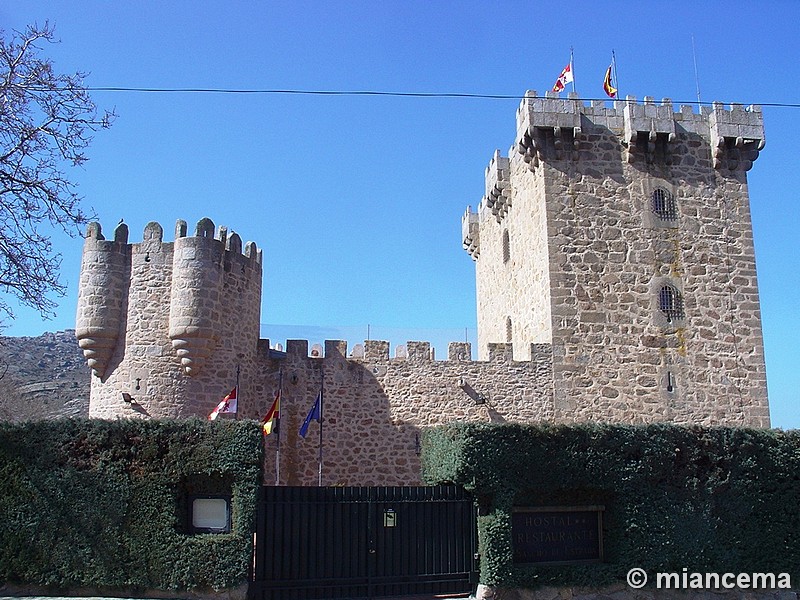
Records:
x=509, y=330
x=506, y=246
x=664, y=205
x=670, y=302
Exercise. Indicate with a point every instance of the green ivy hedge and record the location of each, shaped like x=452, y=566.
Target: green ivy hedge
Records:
x=704, y=499
x=104, y=504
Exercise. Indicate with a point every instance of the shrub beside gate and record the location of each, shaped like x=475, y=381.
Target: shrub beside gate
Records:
x=708, y=500
x=106, y=505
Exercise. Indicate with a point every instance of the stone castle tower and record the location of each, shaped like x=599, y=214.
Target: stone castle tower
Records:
x=167, y=323
x=615, y=281
x=622, y=237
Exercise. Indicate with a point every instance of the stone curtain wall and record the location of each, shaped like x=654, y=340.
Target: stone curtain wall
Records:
x=376, y=406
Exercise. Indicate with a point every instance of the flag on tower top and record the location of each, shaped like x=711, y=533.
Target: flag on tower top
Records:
x=228, y=404
x=609, y=89
x=564, y=78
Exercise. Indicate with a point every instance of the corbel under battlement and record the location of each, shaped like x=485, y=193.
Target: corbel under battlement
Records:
x=470, y=233
x=551, y=127
x=737, y=135
x=498, y=186
x=647, y=126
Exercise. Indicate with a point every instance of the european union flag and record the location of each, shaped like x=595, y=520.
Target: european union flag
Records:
x=315, y=414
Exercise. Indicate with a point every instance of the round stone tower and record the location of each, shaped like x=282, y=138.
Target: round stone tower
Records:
x=165, y=326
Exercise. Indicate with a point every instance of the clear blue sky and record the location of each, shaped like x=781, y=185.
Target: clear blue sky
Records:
x=357, y=201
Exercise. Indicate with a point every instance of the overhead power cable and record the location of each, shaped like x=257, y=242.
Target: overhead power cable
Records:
x=307, y=92
x=382, y=93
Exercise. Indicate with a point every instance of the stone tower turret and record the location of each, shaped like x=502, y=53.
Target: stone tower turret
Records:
x=166, y=325
x=104, y=274
x=622, y=236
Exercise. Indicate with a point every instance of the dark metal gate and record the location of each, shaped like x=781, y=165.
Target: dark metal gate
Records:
x=363, y=542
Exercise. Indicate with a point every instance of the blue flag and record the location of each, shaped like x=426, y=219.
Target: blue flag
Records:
x=313, y=415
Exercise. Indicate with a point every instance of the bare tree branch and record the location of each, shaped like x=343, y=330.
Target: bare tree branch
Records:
x=46, y=123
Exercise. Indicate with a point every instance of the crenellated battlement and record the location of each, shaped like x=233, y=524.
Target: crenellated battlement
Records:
x=548, y=126
x=737, y=135
x=470, y=232
x=554, y=127
x=206, y=233
x=372, y=351
x=497, y=196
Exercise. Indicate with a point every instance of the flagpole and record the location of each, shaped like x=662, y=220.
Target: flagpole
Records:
x=572, y=68
x=321, y=421
x=616, y=77
x=238, y=396
x=278, y=432
x=696, y=76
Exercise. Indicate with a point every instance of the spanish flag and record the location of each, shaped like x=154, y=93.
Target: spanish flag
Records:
x=272, y=419
x=609, y=89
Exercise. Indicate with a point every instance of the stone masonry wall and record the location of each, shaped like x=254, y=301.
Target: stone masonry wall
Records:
x=171, y=293
x=615, y=353
x=513, y=290
x=375, y=406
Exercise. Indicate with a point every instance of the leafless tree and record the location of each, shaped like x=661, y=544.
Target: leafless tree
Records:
x=46, y=123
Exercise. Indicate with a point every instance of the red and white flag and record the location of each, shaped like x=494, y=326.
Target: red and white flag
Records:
x=564, y=78
x=228, y=404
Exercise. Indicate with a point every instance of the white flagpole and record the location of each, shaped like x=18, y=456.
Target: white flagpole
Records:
x=616, y=78
x=696, y=76
x=572, y=68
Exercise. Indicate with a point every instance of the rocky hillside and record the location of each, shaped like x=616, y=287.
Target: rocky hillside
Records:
x=43, y=377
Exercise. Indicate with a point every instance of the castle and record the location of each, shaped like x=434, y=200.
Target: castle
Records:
x=616, y=282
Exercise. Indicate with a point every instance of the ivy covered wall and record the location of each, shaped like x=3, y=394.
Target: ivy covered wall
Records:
x=105, y=504
x=704, y=499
